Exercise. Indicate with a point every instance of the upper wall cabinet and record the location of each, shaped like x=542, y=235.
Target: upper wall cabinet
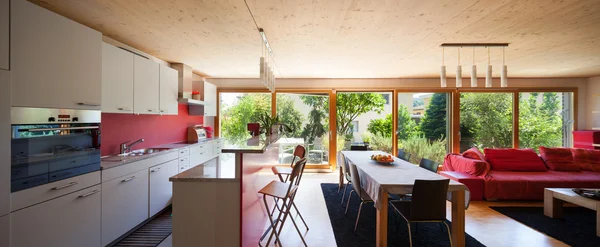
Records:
x=4, y=34
x=210, y=97
x=168, y=90
x=117, y=80
x=55, y=62
x=145, y=86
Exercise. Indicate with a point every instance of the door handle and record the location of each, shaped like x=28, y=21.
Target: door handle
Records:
x=64, y=186
x=123, y=109
x=128, y=179
x=89, y=194
x=87, y=104
x=155, y=170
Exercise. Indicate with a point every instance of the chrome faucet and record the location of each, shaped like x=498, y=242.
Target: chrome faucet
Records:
x=125, y=148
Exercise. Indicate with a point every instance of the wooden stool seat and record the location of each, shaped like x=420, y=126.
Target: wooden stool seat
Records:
x=277, y=189
x=281, y=170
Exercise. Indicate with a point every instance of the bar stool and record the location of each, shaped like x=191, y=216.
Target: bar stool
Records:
x=286, y=192
x=299, y=152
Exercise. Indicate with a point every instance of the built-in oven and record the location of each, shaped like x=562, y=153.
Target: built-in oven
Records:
x=49, y=145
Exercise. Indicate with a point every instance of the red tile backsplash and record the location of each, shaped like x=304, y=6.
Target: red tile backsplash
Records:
x=156, y=130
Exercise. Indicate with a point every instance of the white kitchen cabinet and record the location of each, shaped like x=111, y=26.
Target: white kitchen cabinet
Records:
x=201, y=153
x=55, y=62
x=117, y=79
x=5, y=230
x=4, y=142
x=145, y=86
x=124, y=204
x=210, y=99
x=70, y=220
x=161, y=189
x=4, y=34
x=168, y=90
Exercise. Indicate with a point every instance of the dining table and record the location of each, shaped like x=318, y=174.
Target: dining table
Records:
x=398, y=177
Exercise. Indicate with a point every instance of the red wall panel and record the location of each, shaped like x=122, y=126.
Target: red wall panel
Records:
x=156, y=130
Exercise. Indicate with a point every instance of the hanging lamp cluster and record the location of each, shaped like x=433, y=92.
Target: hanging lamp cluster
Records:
x=267, y=63
x=488, y=75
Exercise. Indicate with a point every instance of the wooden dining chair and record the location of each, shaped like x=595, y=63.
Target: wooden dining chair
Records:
x=403, y=155
x=428, y=204
x=286, y=192
x=346, y=172
x=362, y=194
x=299, y=152
x=429, y=165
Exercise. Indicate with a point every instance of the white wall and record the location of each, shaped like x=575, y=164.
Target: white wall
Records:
x=416, y=83
x=592, y=95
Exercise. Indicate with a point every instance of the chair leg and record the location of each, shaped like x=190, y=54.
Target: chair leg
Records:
x=344, y=195
x=349, y=198
x=273, y=224
x=449, y=235
x=358, y=216
x=409, y=233
x=301, y=218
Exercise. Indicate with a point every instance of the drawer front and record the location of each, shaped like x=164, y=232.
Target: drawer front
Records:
x=184, y=152
x=201, y=148
x=113, y=173
x=183, y=167
x=184, y=160
x=25, y=198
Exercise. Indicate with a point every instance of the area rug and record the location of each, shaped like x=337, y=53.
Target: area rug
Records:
x=152, y=233
x=423, y=234
x=577, y=227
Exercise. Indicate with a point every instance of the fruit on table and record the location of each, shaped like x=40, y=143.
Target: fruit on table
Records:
x=382, y=157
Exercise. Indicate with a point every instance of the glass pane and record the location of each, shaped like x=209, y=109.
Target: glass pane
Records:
x=364, y=121
x=486, y=120
x=545, y=119
x=307, y=116
x=423, y=125
x=237, y=110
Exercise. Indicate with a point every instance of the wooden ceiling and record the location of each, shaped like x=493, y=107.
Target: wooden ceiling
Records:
x=352, y=38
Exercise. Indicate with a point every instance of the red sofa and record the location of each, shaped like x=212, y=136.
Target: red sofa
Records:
x=520, y=174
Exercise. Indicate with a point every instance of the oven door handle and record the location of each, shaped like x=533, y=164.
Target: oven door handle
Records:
x=63, y=128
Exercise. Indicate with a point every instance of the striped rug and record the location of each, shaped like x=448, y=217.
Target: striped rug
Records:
x=152, y=233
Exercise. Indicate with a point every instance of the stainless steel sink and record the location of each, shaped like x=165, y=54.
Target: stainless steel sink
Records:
x=144, y=151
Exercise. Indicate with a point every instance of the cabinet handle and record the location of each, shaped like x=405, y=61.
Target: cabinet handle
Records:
x=87, y=104
x=155, y=170
x=162, y=111
x=89, y=194
x=123, y=109
x=64, y=186
x=128, y=179
x=149, y=110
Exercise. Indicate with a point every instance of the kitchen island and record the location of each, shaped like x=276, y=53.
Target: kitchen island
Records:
x=208, y=204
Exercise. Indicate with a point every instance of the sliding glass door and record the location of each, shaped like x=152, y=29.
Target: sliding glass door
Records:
x=423, y=125
x=545, y=119
x=486, y=120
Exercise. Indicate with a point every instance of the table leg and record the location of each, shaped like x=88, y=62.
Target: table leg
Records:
x=458, y=218
x=553, y=207
x=382, y=220
x=598, y=221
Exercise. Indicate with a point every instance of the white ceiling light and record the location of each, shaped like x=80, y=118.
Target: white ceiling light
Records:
x=488, y=75
x=504, y=73
x=443, y=71
x=459, y=71
x=267, y=64
x=474, y=71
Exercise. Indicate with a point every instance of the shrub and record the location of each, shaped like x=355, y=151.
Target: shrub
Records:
x=421, y=147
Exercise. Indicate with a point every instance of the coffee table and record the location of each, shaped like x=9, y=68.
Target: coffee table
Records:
x=554, y=198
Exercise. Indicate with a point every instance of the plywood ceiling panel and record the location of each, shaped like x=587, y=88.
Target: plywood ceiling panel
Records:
x=353, y=38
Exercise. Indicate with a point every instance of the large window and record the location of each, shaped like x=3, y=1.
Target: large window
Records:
x=486, y=120
x=239, y=109
x=307, y=115
x=364, y=120
x=423, y=122
x=545, y=119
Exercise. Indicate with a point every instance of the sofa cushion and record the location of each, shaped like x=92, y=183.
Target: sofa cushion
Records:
x=475, y=184
x=456, y=162
x=530, y=185
x=587, y=159
x=559, y=159
x=510, y=159
x=473, y=153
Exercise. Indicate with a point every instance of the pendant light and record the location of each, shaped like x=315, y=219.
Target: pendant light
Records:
x=443, y=71
x=474, y=71
x=262, y=65
x=459, y=71
x=488, y=75
x=503, y=75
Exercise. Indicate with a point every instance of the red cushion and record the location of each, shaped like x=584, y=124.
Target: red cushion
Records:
x=559, y=159
x=587, y=159
x=510, y=159
x=456, y=162
x=473, y=153
x=475, y=184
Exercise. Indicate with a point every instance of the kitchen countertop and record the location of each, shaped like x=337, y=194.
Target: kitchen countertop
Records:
x=200, y=173
x=115, y=161
x=257, y=144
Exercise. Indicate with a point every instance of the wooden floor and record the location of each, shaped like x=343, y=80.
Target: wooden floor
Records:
x=486, y=225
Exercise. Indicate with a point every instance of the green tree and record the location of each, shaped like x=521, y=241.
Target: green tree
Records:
x=434, y=123
x=314, y=128
x=249, y=107
x=383, y=126
x=540, y=124
x=488, y=118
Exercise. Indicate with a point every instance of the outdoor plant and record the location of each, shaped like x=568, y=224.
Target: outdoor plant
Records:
x=267, y=122
x=421, y=147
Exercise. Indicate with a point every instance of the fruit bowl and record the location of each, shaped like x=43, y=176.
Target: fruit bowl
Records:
x=382, y=159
